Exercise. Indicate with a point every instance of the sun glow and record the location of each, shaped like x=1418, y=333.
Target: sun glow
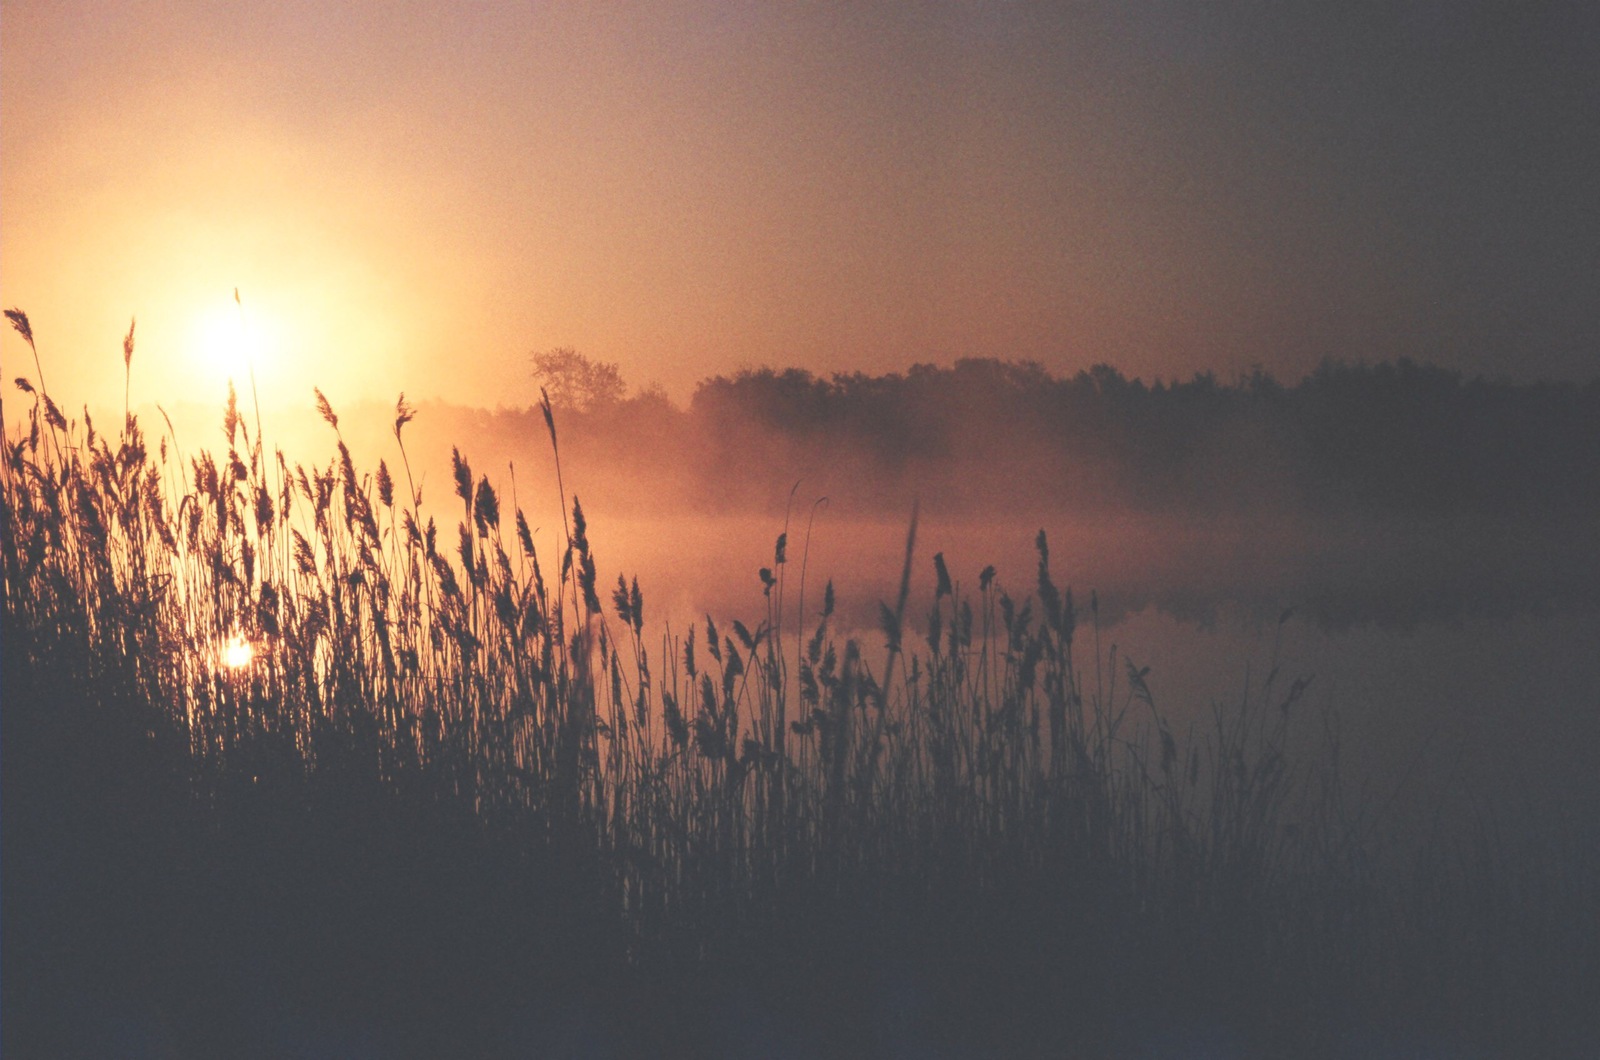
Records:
x=237, y=653
x=226, y=344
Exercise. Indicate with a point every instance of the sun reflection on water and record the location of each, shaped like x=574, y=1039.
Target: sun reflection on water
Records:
x=237, y=653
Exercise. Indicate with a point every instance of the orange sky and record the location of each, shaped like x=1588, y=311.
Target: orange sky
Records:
x=416, y=196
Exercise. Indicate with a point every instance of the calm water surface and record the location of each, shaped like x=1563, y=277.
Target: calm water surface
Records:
x=1460, y=661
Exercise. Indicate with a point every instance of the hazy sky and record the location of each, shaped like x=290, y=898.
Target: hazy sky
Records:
x=417, y=195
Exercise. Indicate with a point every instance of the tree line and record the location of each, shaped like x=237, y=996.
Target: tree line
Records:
x=1395, y=437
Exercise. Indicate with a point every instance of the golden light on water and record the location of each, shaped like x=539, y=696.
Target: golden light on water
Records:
x=237, y=653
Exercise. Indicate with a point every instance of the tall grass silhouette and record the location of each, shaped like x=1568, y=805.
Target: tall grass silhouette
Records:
x=263, y=714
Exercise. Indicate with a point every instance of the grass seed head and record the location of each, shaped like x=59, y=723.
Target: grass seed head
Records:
x=325, y=410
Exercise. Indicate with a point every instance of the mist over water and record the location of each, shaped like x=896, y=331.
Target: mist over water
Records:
x=1456, y=660
x=1424, y=813
x=1431, y=538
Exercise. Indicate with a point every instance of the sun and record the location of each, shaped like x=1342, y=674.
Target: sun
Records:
x=226, y=344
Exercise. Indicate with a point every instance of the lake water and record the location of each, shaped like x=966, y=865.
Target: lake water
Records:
x=1460, y=655
x=1460, y=660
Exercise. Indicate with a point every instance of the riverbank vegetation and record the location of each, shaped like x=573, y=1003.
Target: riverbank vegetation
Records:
x=296, y=763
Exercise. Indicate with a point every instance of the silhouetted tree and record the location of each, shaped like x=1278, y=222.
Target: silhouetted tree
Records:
x=574, y=381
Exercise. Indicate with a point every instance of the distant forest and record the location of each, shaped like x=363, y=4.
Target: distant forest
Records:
x=987, y=436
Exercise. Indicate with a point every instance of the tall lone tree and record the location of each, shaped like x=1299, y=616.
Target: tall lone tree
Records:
x=575, y=382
